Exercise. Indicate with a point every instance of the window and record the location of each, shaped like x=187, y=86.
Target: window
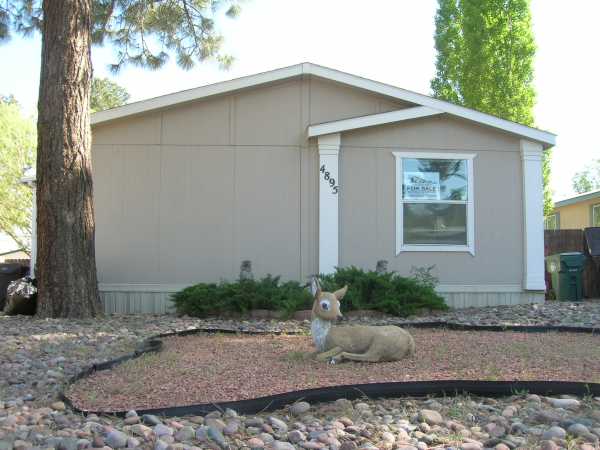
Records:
x=434, y=202
x=596, y=215
x=551, y=222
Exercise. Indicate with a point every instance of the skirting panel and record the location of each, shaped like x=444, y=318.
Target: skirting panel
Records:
x=155, y=302
x=460, y=300
x=136, y=302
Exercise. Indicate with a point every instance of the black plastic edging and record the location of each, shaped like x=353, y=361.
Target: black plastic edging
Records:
x=371, y=390
x=518, y=328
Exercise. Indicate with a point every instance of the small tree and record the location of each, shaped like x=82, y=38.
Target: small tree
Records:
x=485, y=61
x=588, y=179
x=17, y=151
x=143, y=33
x=107, y=94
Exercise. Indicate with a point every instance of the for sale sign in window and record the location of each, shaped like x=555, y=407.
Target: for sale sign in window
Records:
x=421, y=185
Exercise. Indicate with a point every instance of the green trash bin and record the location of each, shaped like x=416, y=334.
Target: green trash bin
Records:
x=566, y=270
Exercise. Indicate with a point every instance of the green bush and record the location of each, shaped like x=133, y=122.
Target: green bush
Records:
x=388, y=293
x=209, y=299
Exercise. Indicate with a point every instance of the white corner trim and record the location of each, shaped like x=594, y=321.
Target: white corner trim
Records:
x=371, y=120
x=533, y=216
x=34, y=243
x=164, y=101
x=329, y=148
x=400, y=246
x=29, y=179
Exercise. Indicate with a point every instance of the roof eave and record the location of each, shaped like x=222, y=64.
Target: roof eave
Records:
x=578, y=199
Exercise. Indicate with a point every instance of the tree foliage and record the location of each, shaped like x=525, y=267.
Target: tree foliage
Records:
x=485, y=61
x=587, y=179
x=17, y=151
x=142, y=32
x=107, y=94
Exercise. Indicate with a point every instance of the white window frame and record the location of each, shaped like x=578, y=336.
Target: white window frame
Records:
x=595, y=211
x=428, y=154
x=556, y=221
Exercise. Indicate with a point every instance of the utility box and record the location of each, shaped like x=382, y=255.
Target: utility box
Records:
x=566, y=271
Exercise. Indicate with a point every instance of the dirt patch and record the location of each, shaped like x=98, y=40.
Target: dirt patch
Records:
x=213, y=368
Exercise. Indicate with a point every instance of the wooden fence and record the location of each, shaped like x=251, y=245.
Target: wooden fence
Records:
x=560, y=241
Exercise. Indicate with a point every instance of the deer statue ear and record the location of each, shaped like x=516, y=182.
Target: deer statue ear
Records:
x=315, y=287
x=339, y=294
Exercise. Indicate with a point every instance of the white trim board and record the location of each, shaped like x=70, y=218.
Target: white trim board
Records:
x=546, y=138
x=533, y=216
x=329, y=187
x=371, y=120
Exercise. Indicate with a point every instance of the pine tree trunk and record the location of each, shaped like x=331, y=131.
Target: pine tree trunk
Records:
x=66, y=266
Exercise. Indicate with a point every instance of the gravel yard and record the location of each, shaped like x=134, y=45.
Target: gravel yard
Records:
x=37, y=356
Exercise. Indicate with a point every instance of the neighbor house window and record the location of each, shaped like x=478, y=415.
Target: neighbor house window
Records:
x=434, y=202
x=596, y=215
x=551, y=222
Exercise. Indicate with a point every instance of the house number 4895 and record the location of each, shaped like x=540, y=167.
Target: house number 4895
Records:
x=327, y=177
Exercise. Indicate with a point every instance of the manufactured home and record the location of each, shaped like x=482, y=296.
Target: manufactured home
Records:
x=306, y=168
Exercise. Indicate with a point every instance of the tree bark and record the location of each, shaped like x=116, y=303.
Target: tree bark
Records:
x=66, y=265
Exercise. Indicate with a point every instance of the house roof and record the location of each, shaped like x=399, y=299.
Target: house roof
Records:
x=425, y=105
x=578, y=198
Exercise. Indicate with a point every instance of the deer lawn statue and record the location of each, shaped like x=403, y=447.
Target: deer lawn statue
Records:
x=356, y=342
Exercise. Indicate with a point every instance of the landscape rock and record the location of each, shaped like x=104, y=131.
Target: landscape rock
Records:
x=185, y=434
x=299, y=408
x=162, y=430
x=116, y=439
x=569, y=403
x=255, y=443
x=281, y=445
x=554, y=432
x=279, y=424
x=151, y=420
x=430, y=417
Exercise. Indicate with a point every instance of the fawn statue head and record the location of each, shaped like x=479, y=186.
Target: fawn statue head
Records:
x=326, y=305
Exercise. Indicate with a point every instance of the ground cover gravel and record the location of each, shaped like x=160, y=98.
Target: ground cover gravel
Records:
x=38, y=356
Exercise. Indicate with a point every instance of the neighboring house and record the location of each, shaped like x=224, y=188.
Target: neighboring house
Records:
x=14, y=255
x=10, y=250
x=580, y=211
x=305, y=168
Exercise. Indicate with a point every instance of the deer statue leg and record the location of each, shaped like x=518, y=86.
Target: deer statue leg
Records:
x=362, y=357
x=324, y=356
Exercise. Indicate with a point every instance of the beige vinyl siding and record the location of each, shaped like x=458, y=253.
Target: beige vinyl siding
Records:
x=185, y=194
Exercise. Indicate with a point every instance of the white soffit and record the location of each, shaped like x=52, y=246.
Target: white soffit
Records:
x=371, y=120
x=545, y=137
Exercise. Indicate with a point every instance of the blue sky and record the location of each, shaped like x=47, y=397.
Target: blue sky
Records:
x=386, y=40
